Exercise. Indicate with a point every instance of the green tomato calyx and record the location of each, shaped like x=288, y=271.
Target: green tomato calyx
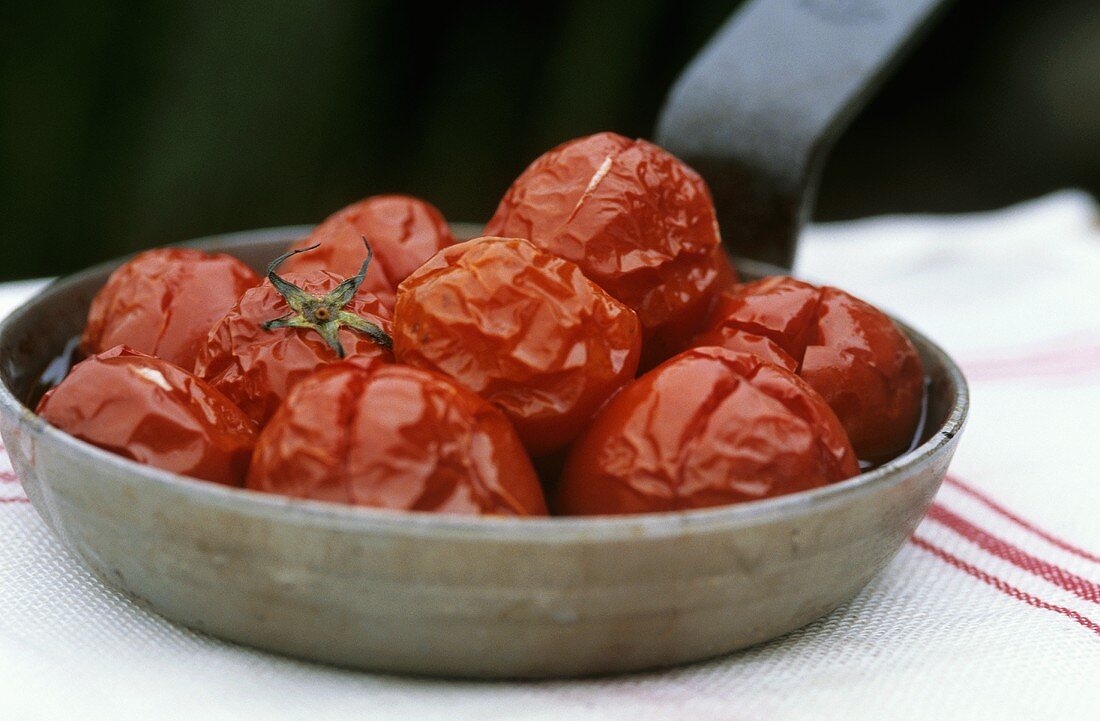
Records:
x=324, y=314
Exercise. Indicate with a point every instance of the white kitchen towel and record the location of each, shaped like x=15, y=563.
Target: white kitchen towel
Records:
x=992, y=611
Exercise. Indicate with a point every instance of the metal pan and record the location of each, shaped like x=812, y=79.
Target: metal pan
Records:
x=473, y=597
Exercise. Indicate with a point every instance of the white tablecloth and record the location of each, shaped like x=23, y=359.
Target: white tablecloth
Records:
x=992, y=611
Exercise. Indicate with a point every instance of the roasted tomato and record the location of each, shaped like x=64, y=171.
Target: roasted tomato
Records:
x=285, y=329
x=523, y=329
x=636, y=220
x=164, y=302
x=849, y=351
x=153, y=412
x=395, y=437
x=709, y=427
x=403, y=231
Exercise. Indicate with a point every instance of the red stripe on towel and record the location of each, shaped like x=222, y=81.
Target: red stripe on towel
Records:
x=1002, y=586
x=1005, y=550
x=985, y=500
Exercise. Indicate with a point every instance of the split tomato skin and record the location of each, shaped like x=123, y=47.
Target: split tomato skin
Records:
x=395, y=437
x=256, y=368
x=639, y=223
x=770, y=317
x=153, y=412
x=846, y=349
x=709, y=427
x=163, y=302
x=402, y=230
x=523, y=329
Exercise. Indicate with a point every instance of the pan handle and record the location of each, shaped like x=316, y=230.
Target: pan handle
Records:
x=760, y=106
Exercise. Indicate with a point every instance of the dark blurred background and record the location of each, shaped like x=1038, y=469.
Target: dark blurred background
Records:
x=130, y=124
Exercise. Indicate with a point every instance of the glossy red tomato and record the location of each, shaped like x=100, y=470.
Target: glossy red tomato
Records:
x=403, y=231
x=709, y=427
x=395, y=437
x=523, y=329
x=256, y=367
x=636, y=220
x=849, y=351
x=164, y=302
x=151, y=411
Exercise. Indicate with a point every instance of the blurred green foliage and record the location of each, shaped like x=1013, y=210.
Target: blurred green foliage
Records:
x=126, y=125
x=130, y=124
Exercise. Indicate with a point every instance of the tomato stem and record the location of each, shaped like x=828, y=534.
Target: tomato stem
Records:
x=324, y=314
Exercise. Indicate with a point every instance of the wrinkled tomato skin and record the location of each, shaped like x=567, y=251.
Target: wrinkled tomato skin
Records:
x=163, y=302
x=848, y=350
x=395, y=437
x=153, y=412
x=868, y=371
x=709, y=427
x=403, y=232
x=521, y=328
x=770, y=317
x=638, y=222
x=256, y=368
